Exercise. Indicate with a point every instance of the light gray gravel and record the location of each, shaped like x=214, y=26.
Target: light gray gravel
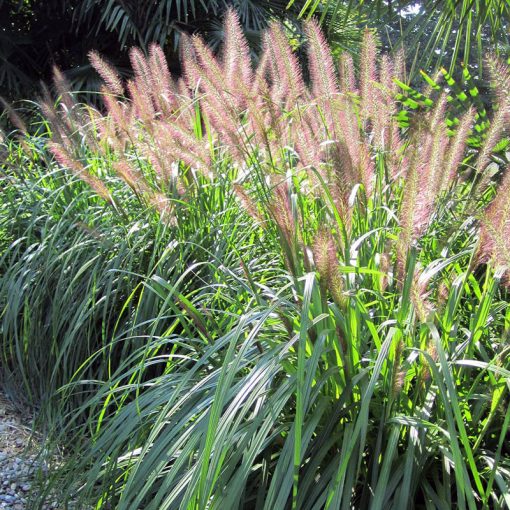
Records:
x=18, y=459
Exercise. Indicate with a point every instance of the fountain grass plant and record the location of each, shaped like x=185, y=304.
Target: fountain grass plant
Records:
x=252, y=290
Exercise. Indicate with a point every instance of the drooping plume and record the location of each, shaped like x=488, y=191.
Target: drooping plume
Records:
x=327, y=264
x=68, y=161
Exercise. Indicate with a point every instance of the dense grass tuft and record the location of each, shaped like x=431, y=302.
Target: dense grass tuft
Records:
x=255, y=290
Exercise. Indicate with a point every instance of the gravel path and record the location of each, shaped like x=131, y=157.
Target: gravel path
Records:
x=18, y=461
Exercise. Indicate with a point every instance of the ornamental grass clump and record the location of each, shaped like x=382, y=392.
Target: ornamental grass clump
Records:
x=348, y=348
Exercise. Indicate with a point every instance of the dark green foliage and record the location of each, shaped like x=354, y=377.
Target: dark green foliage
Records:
x=433, y=32
x=36, y=35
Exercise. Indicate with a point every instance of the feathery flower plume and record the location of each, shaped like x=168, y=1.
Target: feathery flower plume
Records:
x=116, y=109
x=281, y=208
x=248, y=204
x=64, y=89
x=111, y=138
x=435, y=148
x=67, y=161
x=307, y=145
x=163, y=86
x=382, y=122
x=385, y=126
x=258, y=103
x=399, y=66
x=366, y=168
x=107, y=73
x=420, y=296
x=221, y=105
x=172, y=143
x=326, y=261
x=406, y=218
x=142, y=71
x=442, y=296
x=348, y=140
x=142, y=104
x=346, y=73
x=163, y=206
x=132, y=176
x=209, y=67
x=260, y=86
x=13, y=116
x=236, y=53
x=198, y=149
x=398, y=373
x=340, y=191
x=345, y=150
x=500, y=75
x=457, y=148
x=424, y=179
x=324, y=254
x=494, y=242
x=287, y=84
x=384, y=268
x=47, y=107
x=493, y=135
x=368, y=75
x=204, y=73
x=425, y=370
x=320, y=62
